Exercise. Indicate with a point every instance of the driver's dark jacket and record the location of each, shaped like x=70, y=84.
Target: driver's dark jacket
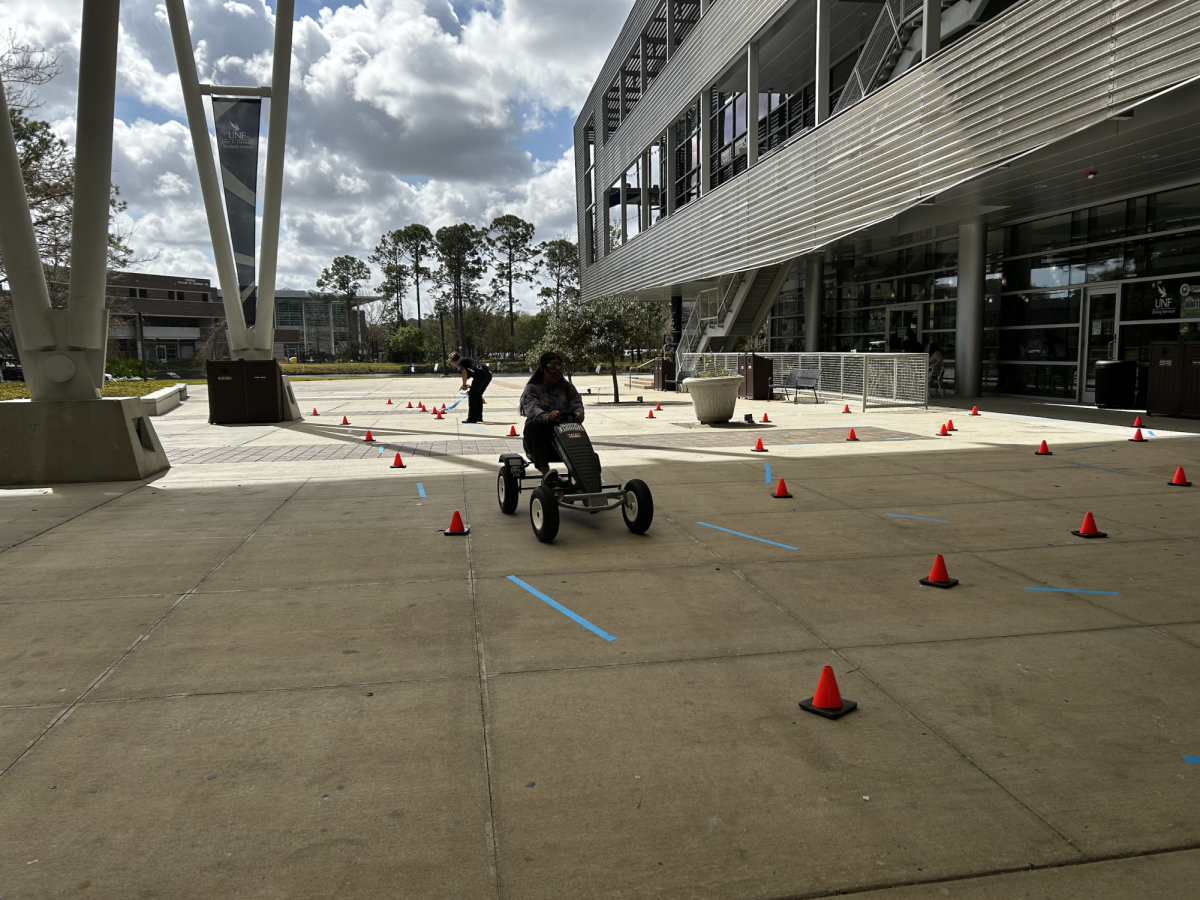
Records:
x=538, y=400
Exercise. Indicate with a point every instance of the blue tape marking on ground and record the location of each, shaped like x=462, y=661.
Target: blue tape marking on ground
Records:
x=420, y=489
x=1191, y=759
x=1101, y=468
x=752, y=537
x=469, y=425
x=1073, y=591
x=922, y=518
x=1149, y=432
x=562, y=609
x=1088, y=447
x=768, y=473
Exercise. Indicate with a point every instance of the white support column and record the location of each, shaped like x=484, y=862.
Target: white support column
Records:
x=210, y=187
x=670, y=28
x=821, y=89
x=705, y=140
x=622, y=104
x=968, y=351
x=624, y=200
x=281, y=69
x=18, y=244
x=814, y=295
x=931, y=28
x=752, y=104
x=87, y=322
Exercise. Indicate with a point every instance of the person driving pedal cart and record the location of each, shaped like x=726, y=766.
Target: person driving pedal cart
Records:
x=548, y=400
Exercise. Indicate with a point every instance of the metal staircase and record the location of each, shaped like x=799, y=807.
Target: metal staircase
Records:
x=737, y=308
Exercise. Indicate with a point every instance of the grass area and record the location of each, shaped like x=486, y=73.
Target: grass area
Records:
x=16, y=390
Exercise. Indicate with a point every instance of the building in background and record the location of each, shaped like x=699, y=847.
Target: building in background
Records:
x=1016, y=182
x=175, y=318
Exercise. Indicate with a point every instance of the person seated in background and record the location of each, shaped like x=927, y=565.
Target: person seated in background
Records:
x=935, y=354
x=910, y=344
x=548, y=399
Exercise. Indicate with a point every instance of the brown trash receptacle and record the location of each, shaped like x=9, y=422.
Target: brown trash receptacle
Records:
x=242, y=391
x=756, y=376
x=664, y=375
x=1189, y=401
x=1164, y=393
x=226, y=392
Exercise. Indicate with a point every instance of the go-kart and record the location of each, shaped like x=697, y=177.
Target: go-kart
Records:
x=581, y=488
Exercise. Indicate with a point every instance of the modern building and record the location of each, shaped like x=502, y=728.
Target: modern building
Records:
x=173, y=319
x=1016, y=181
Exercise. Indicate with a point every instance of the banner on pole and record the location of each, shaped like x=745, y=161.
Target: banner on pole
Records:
x=237, y=120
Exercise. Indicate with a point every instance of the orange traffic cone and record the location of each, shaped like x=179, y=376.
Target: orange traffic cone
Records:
x=443, y=407
x=512, y=430
x=483, y=399
x=315, y=413
x=852, y=436
x=1137, y=437
x=828, y=701
x=456, y=529
x=950, y=426
x=367, y=437
x=764, y=418
x=1137, y=422
x=439, y=415
x=846, y=408
x=938, y=576
x=389, y=403
x=974, y=411
x=1180, y=480
x=398, y=463
x=658, y=407
x=650, y=415
x=943, y=432
x=1088, y=529
x=1043, y=450
x=421, y=406
x=758, y=448
x=410, y=404
x=345, y=421
x=781, y=491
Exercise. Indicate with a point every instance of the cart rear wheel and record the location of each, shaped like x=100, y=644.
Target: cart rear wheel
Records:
x=638, y=508
x=543, y=513
x=507, y=491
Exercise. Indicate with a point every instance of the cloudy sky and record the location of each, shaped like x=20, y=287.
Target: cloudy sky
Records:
x=433, y=111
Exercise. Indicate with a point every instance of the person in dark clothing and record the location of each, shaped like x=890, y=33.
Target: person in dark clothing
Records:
x=480, y=377
x=910, y=344
x=547, y=400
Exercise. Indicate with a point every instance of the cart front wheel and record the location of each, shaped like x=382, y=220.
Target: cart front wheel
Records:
x=543, y=513
x=507, y=491
x=638, y=508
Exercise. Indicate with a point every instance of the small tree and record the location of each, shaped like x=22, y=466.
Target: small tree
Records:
x=561, y=260
x=616, y=326
x=510, y=245
x=567, y=335
x=408, y=344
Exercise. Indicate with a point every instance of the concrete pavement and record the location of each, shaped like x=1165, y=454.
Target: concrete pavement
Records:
x=268, y=673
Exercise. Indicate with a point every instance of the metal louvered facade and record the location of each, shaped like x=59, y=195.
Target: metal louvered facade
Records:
x=1033, y=76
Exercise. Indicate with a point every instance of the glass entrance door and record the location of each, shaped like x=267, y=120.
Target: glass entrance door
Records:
x=1100, y=336
x=904, y=324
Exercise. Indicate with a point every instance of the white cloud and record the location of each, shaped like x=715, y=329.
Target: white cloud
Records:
x=399, y=112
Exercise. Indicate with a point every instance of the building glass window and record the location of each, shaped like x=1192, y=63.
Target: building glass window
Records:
x=589, y=192
x=656, y=177
x=687, y=156
x=786, y=332
x=614, y=217
x=728, y=129
x=633, y=200
x=781, y=116
x=287, y=314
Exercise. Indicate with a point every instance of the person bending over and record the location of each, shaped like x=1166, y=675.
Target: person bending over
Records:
x=547, y=400
x=480, y=377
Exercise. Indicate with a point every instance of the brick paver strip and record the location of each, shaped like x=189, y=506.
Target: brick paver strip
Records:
x=718, y=438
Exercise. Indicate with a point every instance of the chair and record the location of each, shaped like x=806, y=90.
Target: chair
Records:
x=679, y=376
x=798, y=380
x=936, y=371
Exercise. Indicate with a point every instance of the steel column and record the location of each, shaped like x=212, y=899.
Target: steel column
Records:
x=814, y=295
x=823, y=29
x=752, y=104
x=705, y=139
x=931, y=28
x=968, y=351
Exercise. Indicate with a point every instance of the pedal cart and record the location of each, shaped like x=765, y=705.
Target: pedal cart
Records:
x=581, y=487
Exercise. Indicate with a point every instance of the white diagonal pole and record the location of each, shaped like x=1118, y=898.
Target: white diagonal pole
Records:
x=210, y=188
x=281, y=71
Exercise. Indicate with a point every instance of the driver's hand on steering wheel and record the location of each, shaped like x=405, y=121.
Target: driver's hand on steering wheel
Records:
x=578, y=417
x=552, y=416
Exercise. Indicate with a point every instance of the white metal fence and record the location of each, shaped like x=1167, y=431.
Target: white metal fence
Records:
x=874, y=379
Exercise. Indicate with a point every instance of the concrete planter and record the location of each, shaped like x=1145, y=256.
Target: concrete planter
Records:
x=714, y=399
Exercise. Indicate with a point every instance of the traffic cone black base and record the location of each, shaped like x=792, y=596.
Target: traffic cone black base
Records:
x=847, y=706
x=942, y=584
x=1098, y=534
